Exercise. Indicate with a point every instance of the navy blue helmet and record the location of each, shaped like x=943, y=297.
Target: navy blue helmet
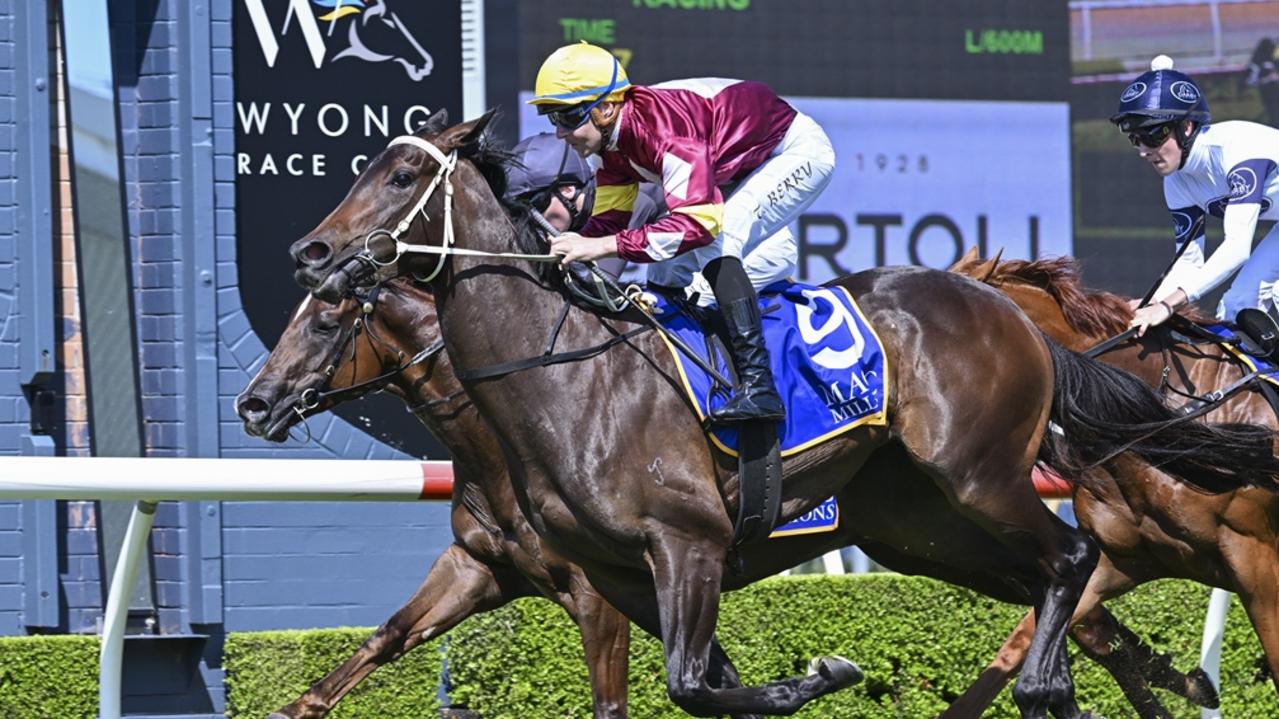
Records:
x=1160, y=96
x=542, y=161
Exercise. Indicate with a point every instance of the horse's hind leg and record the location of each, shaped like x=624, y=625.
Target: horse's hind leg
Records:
x=687, y=575
x=1255, y=566
x=1102, y=638
x=457, y=587
x=996, y=493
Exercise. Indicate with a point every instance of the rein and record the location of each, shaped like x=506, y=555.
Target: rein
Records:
x=1189, y=333
x=312, y=397
x=443, y=176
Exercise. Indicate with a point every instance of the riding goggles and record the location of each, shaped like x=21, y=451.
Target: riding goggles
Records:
x=572, y=117
x=541, y=199
x=1152, y=137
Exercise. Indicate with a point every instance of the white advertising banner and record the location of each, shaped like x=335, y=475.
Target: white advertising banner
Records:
x=921, y=181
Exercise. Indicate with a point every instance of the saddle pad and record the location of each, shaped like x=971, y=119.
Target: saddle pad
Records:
x=828, y=363
x=822, y=518
x=1252, y=362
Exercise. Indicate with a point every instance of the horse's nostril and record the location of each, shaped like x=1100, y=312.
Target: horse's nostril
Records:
x=252, y=409
x=314, y=253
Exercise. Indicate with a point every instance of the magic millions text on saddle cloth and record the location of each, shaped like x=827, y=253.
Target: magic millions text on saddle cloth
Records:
x=828, y=363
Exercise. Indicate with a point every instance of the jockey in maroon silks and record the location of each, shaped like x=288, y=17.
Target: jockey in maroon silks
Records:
x=736, y=163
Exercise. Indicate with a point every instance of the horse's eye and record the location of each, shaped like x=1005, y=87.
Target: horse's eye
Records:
x=402, y=179
x=326, y=326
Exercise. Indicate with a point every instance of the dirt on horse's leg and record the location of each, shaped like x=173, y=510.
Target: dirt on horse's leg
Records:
x=606, y=641
x=457, y=587
x=687, y=574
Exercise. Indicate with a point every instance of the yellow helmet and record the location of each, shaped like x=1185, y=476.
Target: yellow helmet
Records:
x=579, y=73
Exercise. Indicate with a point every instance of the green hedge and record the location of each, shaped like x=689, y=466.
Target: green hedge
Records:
x=266, y=670
x=49, y=676
x=919, y=641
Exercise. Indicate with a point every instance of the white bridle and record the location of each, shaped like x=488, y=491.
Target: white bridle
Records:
x=447, y=164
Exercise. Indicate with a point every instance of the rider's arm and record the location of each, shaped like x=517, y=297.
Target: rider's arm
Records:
x=696, y=208
x=614, y=201
x=1191, y=260
x=1247, y=186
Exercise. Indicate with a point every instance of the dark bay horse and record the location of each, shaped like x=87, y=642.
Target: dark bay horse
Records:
x=329, y=355
x=612, y=468
x=1147, y=523
x=388, y=338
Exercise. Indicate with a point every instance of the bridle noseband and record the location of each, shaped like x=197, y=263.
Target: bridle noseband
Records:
x=443, y=176
x=312, y=397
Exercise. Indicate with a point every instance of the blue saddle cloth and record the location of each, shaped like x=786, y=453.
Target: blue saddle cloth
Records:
x=828, y=363
x=1252, y=362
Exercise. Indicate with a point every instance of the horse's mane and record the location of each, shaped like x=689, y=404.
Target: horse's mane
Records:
x=492, y=160
x=1090, y=312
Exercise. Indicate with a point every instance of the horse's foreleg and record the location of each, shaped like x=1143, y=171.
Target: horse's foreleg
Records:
x=457, y=587
x=606, y=640
x=687, y=577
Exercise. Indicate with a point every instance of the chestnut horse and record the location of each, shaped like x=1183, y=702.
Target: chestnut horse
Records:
x=1147, y=523
x=388, y=339
x=612, y=467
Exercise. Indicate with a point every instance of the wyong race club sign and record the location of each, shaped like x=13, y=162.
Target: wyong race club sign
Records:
x=320, y=86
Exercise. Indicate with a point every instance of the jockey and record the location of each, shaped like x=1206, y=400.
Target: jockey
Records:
x=1226, y=169
x=548, y=176
x=736, y=164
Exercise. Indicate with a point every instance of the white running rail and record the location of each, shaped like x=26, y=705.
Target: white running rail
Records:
x=151, y=480
x=154, y=479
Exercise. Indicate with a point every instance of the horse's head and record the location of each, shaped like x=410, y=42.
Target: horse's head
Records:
x=377, y=34
x=400, y=196
x=330, y=354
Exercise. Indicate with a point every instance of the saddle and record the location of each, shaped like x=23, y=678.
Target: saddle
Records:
x=1253, y=340
x=1258, y=334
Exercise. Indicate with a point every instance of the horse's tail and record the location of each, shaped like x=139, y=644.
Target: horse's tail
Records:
x=1101, y=411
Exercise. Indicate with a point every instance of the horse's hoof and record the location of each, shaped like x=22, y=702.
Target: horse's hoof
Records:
x=837, y=670
x=278, y=715
x=1201, y=691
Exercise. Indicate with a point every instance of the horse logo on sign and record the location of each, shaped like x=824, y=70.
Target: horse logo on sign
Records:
x=373, y=33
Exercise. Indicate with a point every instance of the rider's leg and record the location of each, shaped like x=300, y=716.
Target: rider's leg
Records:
x=755, y=397
x=762, y=205
x=1254, y=285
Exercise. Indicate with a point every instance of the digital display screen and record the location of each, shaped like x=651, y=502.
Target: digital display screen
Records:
x=950, y=121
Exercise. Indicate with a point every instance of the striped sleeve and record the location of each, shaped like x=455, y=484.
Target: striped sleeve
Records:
x=614, y=201
x=696, y=207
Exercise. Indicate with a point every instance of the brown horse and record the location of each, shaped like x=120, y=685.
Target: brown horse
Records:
x=1147, y=523
x=329, y=355
x=388, y=339
x=631, y=489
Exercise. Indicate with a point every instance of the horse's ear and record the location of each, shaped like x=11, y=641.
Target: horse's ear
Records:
x=986, y=270
x=466, y=134
x=970, y=258
x=435, y=124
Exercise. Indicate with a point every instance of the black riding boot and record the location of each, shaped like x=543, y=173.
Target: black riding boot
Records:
x=755, y=397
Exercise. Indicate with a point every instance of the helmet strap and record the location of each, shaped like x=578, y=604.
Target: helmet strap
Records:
x=575, y=219
x=1185, y=140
